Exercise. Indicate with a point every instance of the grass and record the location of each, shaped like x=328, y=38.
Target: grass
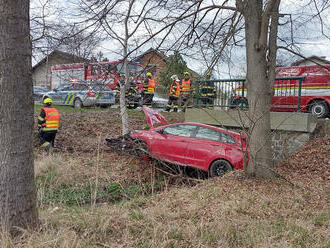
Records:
x=138, y=207
x=68, y=109
x=208, y=215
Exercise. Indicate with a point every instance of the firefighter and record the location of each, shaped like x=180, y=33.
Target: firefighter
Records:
x=174, y=94
x=149, y=90
x=131, y=92
x=207, y=93
x=48, y=123
x=186, y=90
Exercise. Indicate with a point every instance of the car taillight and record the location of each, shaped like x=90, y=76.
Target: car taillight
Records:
x=91, y=94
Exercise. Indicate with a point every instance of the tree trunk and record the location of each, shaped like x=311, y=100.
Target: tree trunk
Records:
x=17, y=190
x=122, y=102
x=259, y=91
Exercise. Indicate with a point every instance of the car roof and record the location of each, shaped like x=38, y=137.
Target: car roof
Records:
x=201, y=125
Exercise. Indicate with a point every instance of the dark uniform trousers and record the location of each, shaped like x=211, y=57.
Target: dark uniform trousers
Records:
x=147, y=99
x=47, y=137
x=173, y=102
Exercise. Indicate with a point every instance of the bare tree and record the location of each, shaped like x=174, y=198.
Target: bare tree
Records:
x=261, y=22
x=261, y=27
x=184, y=25
x=18, y=196
x=123, y=22
x=50, y=30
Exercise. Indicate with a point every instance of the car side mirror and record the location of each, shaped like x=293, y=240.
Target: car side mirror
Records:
x=160, y=131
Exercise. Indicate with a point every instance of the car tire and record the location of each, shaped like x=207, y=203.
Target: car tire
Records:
x=219, y=167
x=77, y=103
x=319, y=109
x=141, y=148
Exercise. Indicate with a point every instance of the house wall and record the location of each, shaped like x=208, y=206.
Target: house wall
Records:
x=41, y=74
x=156, y=63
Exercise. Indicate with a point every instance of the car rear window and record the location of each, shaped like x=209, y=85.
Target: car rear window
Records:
x=180, y=130
x=226, y=138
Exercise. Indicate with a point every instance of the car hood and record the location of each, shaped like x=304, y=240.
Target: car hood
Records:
x=153, y=117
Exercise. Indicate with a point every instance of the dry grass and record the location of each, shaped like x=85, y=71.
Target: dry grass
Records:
x=233, y=211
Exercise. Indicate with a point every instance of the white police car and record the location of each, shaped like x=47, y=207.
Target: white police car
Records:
x=82, y=94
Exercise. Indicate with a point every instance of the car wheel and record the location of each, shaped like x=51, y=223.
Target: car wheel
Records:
x=78, y=103
x=219, y=167
x=140, y=148
x=319, y=109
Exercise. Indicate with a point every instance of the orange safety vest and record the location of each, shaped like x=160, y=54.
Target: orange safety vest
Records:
x=185, y=85
x=151, y=86
x=175, y=91
x=52, y=119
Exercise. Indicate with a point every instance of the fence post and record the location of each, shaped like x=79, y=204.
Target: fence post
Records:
x=299, y=95
x=197, y=93
x=242, y=98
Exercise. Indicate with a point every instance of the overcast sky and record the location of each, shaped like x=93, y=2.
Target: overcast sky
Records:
x=306, y=33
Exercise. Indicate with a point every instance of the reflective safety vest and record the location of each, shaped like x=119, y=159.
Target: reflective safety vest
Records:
x=208, y=91
x=185, y=84
x=52, y=119
x=175, y=89
x=150, y=87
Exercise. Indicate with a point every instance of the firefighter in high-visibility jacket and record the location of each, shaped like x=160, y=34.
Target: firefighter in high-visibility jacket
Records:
x=186, y=91
x=130, y=95
x=48, y=123
x=174, y=94
x=149, y=90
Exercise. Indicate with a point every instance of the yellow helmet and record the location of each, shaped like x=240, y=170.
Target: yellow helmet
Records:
x=186, y=73
x=47, y=100
x=148, y=74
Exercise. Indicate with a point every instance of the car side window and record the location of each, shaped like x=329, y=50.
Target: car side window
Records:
x=69, y=88
x=80, y=87
x=99, y=87
x=207, y=133
x=180, y=130
x=61, y=87
x=226, y=138
x=94, y=69
x=65, y=88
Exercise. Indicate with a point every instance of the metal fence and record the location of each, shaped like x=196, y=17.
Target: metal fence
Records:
x=233, y=93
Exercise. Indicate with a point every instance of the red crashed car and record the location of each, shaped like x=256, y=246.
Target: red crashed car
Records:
x=211, y=149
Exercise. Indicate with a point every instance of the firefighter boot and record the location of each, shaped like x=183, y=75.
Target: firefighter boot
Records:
x=168, y=108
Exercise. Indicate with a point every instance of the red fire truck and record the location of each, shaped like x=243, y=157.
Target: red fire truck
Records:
x=313, y=90
x=106, y=72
